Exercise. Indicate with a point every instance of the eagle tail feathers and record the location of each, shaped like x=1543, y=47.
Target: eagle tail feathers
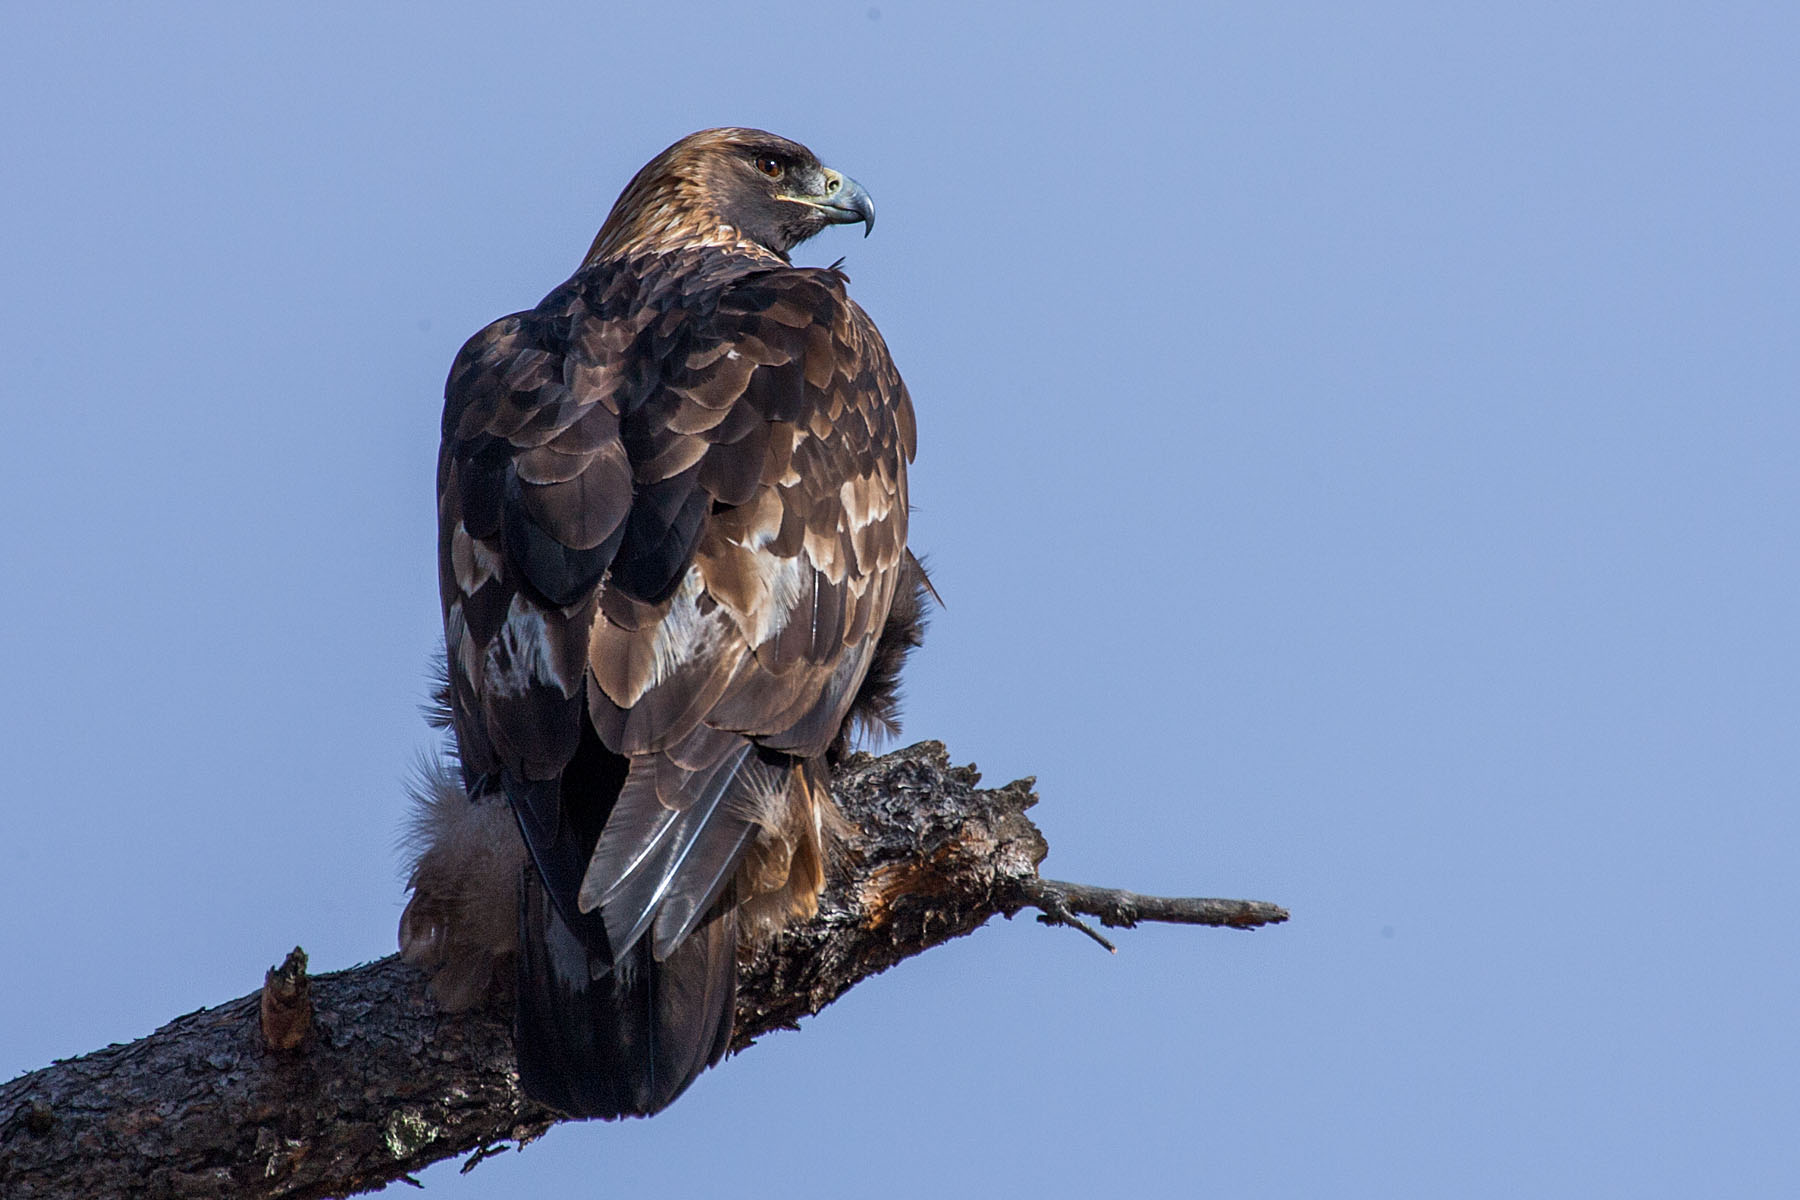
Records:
x=614, y=1041
x=663, y=867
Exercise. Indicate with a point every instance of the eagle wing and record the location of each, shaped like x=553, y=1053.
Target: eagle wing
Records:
x=672, y=507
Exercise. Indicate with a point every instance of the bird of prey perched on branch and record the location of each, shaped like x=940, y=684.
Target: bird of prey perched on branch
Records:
x=672, y=517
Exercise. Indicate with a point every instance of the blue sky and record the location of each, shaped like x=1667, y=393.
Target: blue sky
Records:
x=1357, y=450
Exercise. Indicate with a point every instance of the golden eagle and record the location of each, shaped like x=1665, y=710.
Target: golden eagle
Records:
x=672, y=554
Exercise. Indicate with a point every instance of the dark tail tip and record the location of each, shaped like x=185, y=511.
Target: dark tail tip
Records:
x=627, y=1043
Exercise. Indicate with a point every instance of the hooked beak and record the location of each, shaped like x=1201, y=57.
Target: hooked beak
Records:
x=845, y=202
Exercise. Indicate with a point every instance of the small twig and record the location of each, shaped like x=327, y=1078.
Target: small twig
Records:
x=1053, y=909
x=480, y=1156
x=1119, y=909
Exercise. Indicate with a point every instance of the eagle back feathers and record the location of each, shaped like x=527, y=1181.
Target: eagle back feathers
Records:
x=672, y=513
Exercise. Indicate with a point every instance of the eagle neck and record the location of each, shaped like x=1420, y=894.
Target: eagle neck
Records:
x=670, y=215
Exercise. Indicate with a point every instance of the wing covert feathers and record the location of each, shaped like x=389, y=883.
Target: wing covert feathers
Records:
x=672, y=514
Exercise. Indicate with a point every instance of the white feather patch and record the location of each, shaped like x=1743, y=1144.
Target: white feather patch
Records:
x=780, y=582
x=519, y=655
x=685, y=634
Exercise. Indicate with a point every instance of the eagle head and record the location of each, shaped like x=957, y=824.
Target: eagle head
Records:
x=740, y=189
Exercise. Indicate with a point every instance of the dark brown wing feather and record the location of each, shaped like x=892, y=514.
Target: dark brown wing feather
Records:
x=672, y=506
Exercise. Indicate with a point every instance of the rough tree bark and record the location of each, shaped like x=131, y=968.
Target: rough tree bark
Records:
x=339, y=1083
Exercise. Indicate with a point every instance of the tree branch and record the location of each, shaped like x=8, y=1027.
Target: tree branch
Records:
x=357, y=1079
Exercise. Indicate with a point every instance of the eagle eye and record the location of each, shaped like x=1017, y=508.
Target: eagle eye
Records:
x=769, y=165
